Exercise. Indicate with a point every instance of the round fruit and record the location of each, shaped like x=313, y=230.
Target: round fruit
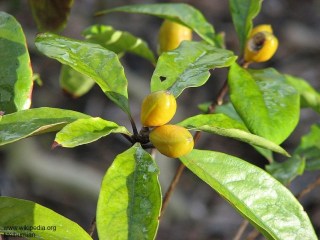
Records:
x=158, y=108
x=171, y=34
x=172, y=140
x=260, y=47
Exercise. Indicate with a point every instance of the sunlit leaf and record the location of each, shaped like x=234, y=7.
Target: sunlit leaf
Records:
x=29, y=220
x=22, y=124
x=130, y=197
x=96, y=62
x=188, y=66
x=16, y=73
x=265, y=202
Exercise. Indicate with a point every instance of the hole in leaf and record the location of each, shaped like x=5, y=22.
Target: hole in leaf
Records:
x=162, y=78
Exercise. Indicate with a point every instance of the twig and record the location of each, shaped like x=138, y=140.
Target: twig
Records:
x=241, y=230
x=309, y=188
x=134, y=127
x=253, y=234
x=92, y=227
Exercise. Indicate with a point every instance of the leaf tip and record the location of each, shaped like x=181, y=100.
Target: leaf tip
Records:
x=55, y=144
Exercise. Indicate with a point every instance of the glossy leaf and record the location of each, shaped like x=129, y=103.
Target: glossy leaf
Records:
x=83, y=131
x=309, y=148
x=22, y=124
x=309, y=97
x=117, y=41
x=178, y=12
x=267, y=104
x=188, y=66
x=243, y=12
x=130, y=197
x=223, y=125
x=16, y=73
x=50, y=15
x=287, y=171
x=261, y=199
x=98, y=63
x=74, y=83
x=22, y=218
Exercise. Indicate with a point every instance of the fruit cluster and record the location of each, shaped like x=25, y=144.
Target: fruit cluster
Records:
x=157, y=109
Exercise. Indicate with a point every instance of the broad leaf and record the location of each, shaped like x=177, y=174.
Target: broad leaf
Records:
x=188, y=66
x=73, y=82
x=287, y=171
x=130, y=197
x=26, y=219
x=261, y=199
x=223, y=125
x=83, y=131
x=267, y=104
x=98, y=63
x=50, y=15
x=16, y=73
x=117, y=41
x=309, y=148
x=309, y=97
x=22, y=124
x=178, y=12
x=243, y=12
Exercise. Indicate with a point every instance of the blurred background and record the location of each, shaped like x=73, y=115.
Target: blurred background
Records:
x=68, y=180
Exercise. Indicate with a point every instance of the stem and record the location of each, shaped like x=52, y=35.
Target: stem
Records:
x=241, y=230
x=172, y=186
x=92, y=227
x=309, y=188
x=253, y=234
x=134, y=127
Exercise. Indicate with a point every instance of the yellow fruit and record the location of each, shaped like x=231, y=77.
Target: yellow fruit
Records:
x=260, y=47
x=261, y=28
x=171, y=140
x=158, y=108
x=171, y=34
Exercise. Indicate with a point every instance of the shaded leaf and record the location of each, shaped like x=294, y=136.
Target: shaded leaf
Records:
x=96, y=62
x=267, y=104
x=261, y=199
x=117, y=41
x=22, y=124
x=309, y=148
x=16, y=73
x=309, y=97
x=243, y=12
x=130, y=197
x=83, y=131
x=73, y=82
x=178, y=12
x=50, y=15
x=223, y=125
x=27, y=219
x=188, y=66
x=287, y=171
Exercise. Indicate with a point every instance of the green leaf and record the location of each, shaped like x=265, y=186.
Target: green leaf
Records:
x=117, y=41
x=261, y=199
x=74, y=83
x=309, y=97
x=267, y=104
x=223, y=125
x=26, y=219
x=22, y=124
x=287, y=171
x=83, y=131
x=92, y=60
x=309, y=148
x=188, y=66
x=243, y=12
x=16, y=73
x=130, y=197
x=50, y=15
x=178, y=12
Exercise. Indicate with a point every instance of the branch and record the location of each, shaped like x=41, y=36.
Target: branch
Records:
x=309, y=188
